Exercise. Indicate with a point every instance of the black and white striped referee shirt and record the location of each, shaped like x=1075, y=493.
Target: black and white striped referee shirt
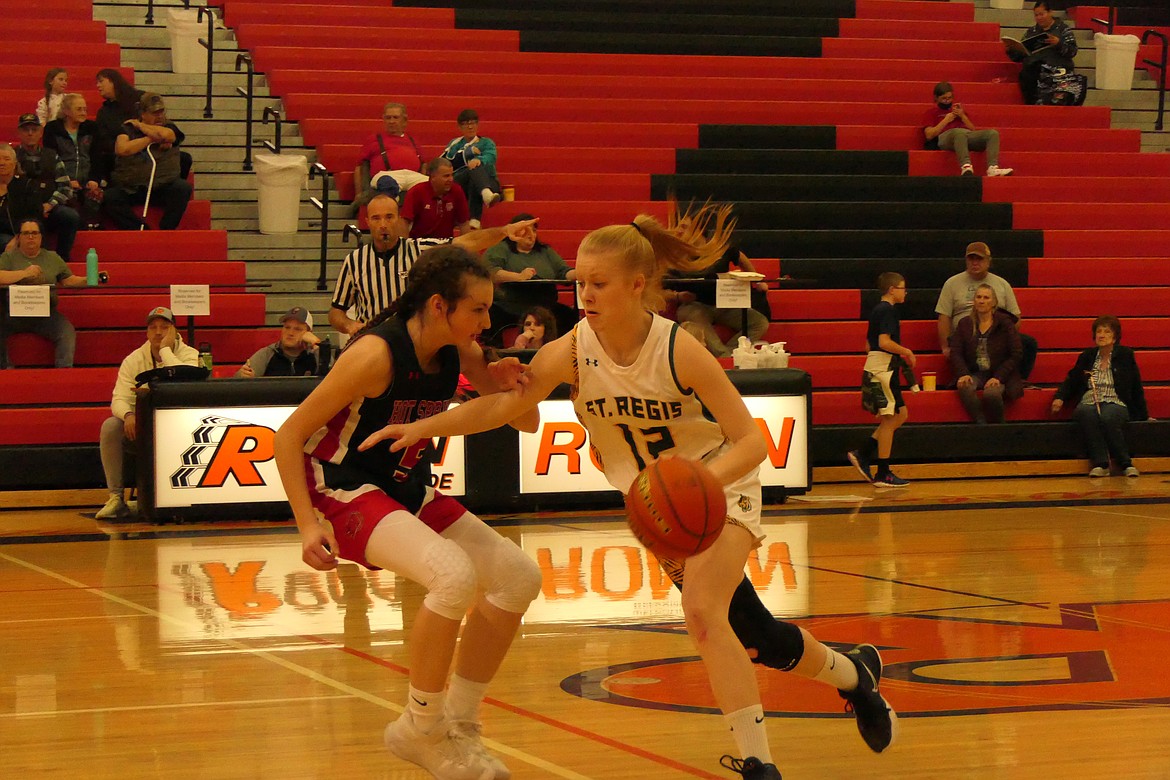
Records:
x=370, y=281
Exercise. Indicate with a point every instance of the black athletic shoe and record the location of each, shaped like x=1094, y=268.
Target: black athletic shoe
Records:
x=751, y=768
x=861, y=463
x=876, y=720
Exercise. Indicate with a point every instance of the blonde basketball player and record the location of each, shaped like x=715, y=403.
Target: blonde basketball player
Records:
x=641, y=388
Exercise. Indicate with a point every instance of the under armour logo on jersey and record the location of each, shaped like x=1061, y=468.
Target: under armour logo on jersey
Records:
x=591, y=361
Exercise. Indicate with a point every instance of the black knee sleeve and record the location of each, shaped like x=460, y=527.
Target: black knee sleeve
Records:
x=779, y=645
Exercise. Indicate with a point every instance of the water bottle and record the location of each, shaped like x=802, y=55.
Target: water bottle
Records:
x=205, y=355
x=91, y=267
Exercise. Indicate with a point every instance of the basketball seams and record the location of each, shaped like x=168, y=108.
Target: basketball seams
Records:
x=656, y=497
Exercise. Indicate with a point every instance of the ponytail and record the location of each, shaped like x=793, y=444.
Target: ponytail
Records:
x=690, y=241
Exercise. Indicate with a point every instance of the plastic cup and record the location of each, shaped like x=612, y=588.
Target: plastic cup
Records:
x=509, y=194
x=929, y=381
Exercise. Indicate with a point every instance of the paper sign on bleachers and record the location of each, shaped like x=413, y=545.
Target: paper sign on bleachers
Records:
x=28, y=300
x=191, y=299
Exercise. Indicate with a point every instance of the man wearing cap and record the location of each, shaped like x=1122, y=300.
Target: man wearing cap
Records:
x=294, y=353
x=164, y=347
x=32, y=264
x=147, y=151
x=49, y=180
x=957, y=298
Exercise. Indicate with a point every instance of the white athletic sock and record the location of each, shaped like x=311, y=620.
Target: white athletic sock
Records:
x=426, y=709
x=838, y=671
x=486, y=195
x=747, y=727
x=464, y=697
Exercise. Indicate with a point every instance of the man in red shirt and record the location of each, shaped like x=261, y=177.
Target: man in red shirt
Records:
x=437, y=207
x=947, y=126
x=392, y=150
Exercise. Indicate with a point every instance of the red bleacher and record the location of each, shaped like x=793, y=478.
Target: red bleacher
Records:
x=40, y=405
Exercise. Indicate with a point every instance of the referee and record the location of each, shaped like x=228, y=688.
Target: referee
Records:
x=374, y=274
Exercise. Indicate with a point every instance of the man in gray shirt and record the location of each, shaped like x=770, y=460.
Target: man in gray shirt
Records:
x=958, y=295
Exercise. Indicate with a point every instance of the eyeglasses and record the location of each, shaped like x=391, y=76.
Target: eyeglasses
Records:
x=30, y=232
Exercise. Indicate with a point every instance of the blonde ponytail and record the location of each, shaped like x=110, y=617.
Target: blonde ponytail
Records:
x=690, y=241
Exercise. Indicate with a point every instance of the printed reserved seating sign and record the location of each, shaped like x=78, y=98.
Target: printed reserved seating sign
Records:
x=28, y=300
x=192, y=299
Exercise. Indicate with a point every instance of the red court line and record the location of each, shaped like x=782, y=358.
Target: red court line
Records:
x=536, y=716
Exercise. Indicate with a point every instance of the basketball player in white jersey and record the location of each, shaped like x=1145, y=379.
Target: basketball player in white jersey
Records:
x=645, y=389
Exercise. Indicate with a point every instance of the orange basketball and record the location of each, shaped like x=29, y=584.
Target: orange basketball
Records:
x=676, y=508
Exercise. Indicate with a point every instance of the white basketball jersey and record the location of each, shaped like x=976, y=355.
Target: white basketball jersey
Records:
x=639, y=412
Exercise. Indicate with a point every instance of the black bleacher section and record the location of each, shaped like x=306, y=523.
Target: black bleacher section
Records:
x=785, y=28
x=842, y=217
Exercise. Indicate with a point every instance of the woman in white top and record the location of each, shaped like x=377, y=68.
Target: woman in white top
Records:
x=641, y=388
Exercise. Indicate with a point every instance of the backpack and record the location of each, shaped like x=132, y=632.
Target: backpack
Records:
x=1058, y=87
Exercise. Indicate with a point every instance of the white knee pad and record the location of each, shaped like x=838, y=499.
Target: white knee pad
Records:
x=452, y=585
x=514, y=580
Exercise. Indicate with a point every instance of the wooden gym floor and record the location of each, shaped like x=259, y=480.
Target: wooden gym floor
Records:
x=1025, y=625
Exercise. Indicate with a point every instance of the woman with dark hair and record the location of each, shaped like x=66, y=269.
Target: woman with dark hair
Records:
x=377, y=507
x=522, y=259
x=1106, y=386
x=985, y=355
x=474, y=159
x=536, y=329
x=56, y=85
x=119, y=104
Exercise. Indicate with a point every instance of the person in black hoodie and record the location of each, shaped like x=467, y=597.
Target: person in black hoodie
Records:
x=18, y=200
x=1106, y=385
x=120, y=103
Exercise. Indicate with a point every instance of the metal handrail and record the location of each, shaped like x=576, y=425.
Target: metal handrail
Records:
x=351, y=229
x=150, y=9
x=274, y=112
x=1109, y=23
x=322, y=203
x=1161, y=66
x=208, y=44
x=243, y=58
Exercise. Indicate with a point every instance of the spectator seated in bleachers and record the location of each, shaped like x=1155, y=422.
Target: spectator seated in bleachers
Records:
x=437, y=207
x=49, y=180
x=519, y=260
x=957, y=297
x=295, y=353
x=938, y=125
x=72, y=138
x=1106, y=386
x=56, y=85
x=119, y=103
x=538, y=328
x=30, y=263
x=393, y=150
x=985, y=355
x=1057, y=48
x=474, y=159
x=17, y=198
x=164, y=347
x=148, y=158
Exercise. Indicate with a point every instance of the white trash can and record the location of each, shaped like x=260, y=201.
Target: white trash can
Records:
x=1116, y=57
x=187, y=55
x=1015, y=5
x=281, y=178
